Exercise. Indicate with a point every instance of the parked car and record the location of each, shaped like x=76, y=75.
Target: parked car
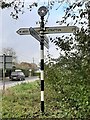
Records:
x=17, y=76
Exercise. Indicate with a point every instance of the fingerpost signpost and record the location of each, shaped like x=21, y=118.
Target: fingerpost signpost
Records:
x=39, y=34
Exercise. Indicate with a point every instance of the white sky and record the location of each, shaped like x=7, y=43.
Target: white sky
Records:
x=26, y=47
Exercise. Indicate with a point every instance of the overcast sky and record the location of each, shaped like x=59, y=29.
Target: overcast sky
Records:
x=26, y=47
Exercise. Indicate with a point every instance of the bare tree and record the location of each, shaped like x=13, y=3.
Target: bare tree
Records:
x=10, y=51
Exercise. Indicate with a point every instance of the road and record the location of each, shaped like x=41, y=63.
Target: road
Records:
x=9, y=83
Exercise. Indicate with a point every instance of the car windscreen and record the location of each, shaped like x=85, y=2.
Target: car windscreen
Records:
x=17, y=73
x=14, y=73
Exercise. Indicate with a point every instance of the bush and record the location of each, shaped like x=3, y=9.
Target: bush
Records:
x=36, y=74
x=72, y=91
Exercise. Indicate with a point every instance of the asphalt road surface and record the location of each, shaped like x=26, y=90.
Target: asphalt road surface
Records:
x=9, y=83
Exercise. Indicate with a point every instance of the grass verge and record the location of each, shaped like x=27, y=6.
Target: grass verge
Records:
x=23, y=101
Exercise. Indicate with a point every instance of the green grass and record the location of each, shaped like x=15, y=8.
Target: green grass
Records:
x=23, y=101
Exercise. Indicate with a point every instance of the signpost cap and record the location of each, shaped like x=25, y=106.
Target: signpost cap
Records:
x=42, y=11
